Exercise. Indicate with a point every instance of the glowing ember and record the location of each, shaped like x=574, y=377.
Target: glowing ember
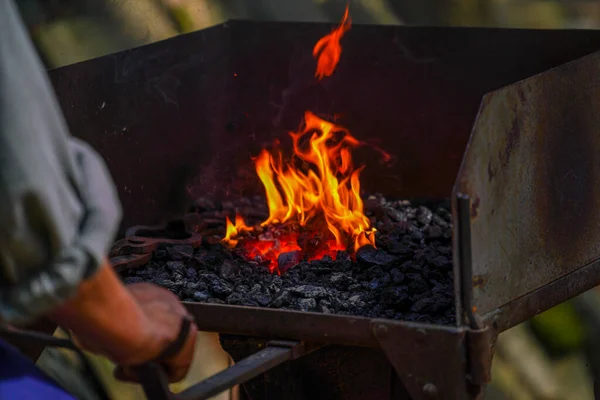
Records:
x=314, y=198
x=328, y=49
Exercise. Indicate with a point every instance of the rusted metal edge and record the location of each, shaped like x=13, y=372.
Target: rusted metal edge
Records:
x=532, y=174
x=284, y=324
x=417, y=351
x=544, y=298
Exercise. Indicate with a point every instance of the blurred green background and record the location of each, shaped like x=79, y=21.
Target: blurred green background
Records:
x=554, y=356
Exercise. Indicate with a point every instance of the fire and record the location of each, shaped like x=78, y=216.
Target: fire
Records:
x=314, y=197
x=323, y=192
x=330, y=189
x=234, y=230
x=328, y=49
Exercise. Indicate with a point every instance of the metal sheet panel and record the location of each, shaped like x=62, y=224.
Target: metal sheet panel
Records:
x=533, y=174
x=181, y=118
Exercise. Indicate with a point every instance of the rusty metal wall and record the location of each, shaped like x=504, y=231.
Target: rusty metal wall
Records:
x=533, y=174
x=181, y=118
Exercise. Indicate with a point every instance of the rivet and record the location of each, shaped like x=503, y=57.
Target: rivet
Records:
x=430, y=390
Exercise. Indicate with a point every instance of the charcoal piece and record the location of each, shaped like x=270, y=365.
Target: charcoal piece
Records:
x=161, y=276
x=261, y=299
x=424, y=215
x=307, y=304
x=228, y=269
x=356, y=301
x=441, y=261
x=234, y=298
x=397, y=247
x=216, y=285
x=397, y=276
x=308, y=291
x=343, y=262
x=341, y=280
x=200, y=296
x=248, y=302
x=288, y=260
x=275, y=286
x=439, y=221
x=355, y=287
x=368, y=256
x=397, y=215
x=380, y=282
x=220, y=288
x=424, y=305
x=410, y=266
x=374, y=272
x=309, y=277
x=325, y=306
x=282, y=300
x=178, y=276
x=147, y=272
x=396, y=297
x=192, y=274
x=242, y=289
x=432, y=305
x=416, y=283
x=434, y=232
x=416, y=235
x=175, y=266
x=444, y=214
x=320, y=271
x=256, y=288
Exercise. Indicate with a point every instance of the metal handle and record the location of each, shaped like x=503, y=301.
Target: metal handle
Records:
x=156, y=386
x=154, y=380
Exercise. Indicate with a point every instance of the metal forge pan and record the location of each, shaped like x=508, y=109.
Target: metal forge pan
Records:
x=178, y=118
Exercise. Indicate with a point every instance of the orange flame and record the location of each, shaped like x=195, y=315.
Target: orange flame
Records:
x=330, y=188
x=328, y=49
x=234, y=230
x=327, y=189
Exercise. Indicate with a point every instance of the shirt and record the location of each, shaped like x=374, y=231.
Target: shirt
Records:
x=59, y=210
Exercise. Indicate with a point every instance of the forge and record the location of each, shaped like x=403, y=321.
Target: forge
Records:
x=466, y=210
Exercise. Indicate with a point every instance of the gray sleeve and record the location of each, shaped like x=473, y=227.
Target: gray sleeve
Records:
x=58, y=207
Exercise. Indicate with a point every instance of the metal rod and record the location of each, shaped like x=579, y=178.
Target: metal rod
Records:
x=37, y=337
x=463, y=204
x=154, y=382
x=241, y=372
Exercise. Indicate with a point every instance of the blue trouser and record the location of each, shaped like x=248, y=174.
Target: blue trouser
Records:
x=20, y=379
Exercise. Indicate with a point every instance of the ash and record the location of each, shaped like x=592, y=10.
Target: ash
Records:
x=407, y=277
